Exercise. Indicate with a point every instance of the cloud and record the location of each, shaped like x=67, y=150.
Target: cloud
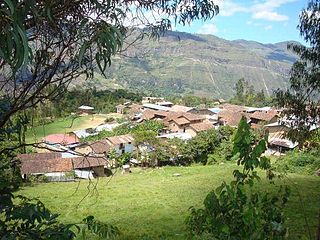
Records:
x=270, y=16
x=208, y=28
x=267, y=27
x=265, y=10
x=229, y=8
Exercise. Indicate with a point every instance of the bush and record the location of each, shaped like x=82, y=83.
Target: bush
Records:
x=237, y=210
x=307, y=162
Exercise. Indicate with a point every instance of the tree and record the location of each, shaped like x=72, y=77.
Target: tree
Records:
x=237, y=210
x=44, y=45
x=246, y=95
x=301, y=100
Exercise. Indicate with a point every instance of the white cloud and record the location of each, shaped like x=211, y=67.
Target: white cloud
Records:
x=208, y=28
x=265, y=10
x=229, y=8
x=270, y=16
x=268, y=27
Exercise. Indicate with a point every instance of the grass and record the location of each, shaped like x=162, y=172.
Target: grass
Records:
x=154, y=203
x=64, y=125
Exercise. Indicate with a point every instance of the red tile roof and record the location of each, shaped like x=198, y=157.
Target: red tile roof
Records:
x=180, y=120
x=233, y=107
x=46, y=166
x=101, y=146
x=230, y=118
x=200, y=127
x=34, y=164
x=263, y=115
x=180, y=108
x=63, y=139
x=88, y=162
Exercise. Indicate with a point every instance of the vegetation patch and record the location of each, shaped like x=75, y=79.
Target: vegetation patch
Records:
x=154, y=203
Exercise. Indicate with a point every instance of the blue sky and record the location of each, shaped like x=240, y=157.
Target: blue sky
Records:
x=266, y=21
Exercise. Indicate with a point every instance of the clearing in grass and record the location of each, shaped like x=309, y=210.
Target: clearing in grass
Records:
x=64, y=125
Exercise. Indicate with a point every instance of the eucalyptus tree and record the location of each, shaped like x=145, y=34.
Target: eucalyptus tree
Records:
x=302, y=100
x=46, y=42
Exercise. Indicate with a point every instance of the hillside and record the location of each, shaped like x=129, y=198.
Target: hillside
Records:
x=205, y=65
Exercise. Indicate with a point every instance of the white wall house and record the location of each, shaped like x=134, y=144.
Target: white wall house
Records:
x=122, y=144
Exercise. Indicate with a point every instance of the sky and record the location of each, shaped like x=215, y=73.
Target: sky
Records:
x=265, y=21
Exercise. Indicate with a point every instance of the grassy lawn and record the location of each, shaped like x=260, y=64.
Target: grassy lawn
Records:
x=64, y=125
x=154, y=203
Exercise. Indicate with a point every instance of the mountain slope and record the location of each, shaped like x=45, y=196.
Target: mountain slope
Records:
x=204, y=65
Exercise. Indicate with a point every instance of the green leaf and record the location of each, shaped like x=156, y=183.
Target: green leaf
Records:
x=82, y=51
x=10, y=5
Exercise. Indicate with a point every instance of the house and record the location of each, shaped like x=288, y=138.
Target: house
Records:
x=233, y=108
x=180, y=108
x=152, y=99
x=165, y=103
x=230, y=118
x=149, y=114
x=83, y=166
x=255, y=109
x=178, y=122
x=203, y=111
x=121, y=144
x=83, y=133
x=195, y=128
x=61, y=139
x=85, y=110
x=264, y=117
x=120, y=109
x=51, y=165
x=155, y=107
x=57, y=168
x=134, y=111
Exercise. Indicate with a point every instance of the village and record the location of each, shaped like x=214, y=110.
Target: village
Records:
x=64, y=157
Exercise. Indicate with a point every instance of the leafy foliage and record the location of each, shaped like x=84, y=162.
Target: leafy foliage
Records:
x=306, y=161
x=232, y=211
x=209, y=142
x=30, y=219
x=301, y=101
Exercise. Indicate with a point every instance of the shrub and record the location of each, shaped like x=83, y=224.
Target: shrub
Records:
x=306, y=162
x=237, y=210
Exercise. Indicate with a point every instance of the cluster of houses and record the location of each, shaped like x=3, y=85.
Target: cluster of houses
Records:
x=62, y=157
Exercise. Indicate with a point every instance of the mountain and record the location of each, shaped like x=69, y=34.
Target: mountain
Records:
x=203, y=65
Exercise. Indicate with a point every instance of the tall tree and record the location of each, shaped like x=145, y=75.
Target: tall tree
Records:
x=302, y=99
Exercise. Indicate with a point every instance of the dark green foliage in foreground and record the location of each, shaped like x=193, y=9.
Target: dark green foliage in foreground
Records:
x=236, y=210
x=307, y=161
x=30, y=219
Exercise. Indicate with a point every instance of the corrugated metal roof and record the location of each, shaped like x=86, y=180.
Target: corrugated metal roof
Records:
x=156, y=107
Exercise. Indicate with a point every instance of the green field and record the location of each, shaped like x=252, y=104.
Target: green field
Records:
x=63, y=125
x=154, y=203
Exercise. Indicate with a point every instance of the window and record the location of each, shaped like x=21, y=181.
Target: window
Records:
x=121, y=145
